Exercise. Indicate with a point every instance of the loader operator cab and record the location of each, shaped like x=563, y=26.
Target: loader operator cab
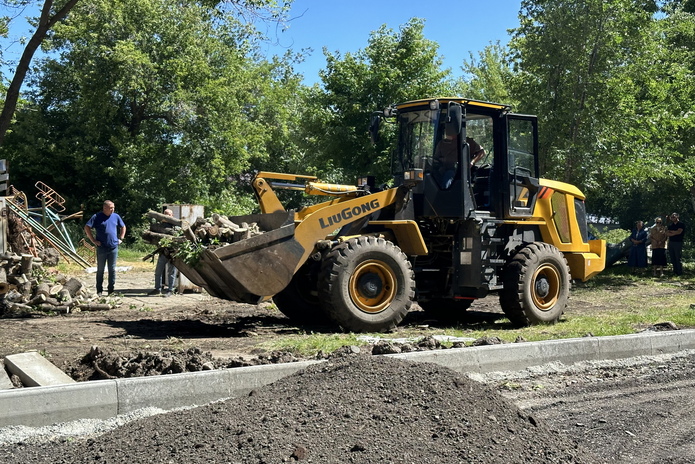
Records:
x=437, y=136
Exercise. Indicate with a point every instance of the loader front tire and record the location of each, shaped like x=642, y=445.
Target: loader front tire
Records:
x=536, y=285
x=366, y=285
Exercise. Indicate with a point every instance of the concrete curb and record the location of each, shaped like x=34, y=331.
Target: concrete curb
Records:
x=104, y=399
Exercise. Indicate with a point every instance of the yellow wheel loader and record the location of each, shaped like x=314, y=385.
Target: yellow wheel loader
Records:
x=467, y=215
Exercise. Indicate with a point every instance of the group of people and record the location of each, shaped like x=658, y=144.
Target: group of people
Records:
x=106, y=230
x=657, y=237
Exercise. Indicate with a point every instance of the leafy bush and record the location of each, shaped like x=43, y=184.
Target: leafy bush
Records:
x=610, y=236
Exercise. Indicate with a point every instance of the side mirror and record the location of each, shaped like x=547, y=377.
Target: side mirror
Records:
x=454, y=118
x=374, y=124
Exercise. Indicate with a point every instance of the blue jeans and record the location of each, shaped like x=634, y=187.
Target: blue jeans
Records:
x=164, y=274
x=104, y=256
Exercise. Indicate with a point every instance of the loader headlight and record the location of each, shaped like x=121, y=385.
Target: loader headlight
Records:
x=367, y=181
x=413, y=176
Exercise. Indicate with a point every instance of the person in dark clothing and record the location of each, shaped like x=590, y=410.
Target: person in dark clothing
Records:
x=446, y=157
x=675, y=233
x=165, y=271
x=638, y=251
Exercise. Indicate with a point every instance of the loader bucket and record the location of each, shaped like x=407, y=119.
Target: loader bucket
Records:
x=249, y=270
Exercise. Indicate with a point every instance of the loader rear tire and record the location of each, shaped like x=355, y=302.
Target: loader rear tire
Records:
x=366, y=285
x=299, y=301
x=536, y=285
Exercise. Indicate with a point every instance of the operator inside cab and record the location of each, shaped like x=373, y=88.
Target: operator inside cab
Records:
x=446, y=157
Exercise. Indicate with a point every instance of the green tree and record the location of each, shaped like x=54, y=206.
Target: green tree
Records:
x=611, y=90
x=489, y=76
x=150, y=101
x=569, y=55
x=395, y=66
x=647, y=165
x=51, y=14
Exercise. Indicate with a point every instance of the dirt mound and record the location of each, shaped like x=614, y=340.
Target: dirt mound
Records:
x=358, y=409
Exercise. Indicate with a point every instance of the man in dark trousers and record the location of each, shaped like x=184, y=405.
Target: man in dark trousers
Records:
x=110, y=231
x=675, y=232
x=165, y=272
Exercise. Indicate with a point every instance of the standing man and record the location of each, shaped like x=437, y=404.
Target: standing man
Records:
x=110, y=231
x=675, y=233
x=165, y=272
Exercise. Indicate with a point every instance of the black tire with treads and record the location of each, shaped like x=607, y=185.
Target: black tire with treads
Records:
x=366, y=285
x=536, y=285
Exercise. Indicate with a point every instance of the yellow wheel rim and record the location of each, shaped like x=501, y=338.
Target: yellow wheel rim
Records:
x=545, y=287
x=372, y=286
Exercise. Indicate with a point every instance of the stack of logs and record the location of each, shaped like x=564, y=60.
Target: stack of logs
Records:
x=221, y=228
x=24, y=290
x=203, y=230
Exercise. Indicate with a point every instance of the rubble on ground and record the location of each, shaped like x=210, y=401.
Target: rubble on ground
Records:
x=101, y=363
x=27, y=289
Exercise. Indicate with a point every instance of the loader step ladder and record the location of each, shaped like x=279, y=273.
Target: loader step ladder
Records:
x=491, y=248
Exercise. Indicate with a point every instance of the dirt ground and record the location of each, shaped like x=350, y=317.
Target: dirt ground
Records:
x=149, y=335
x=355, y=408
x=192, y=327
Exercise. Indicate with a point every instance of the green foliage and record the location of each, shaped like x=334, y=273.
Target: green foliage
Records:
x=395, y=66
x=189, y=252
x=611, y=83
x=610, y=235
x=149, y=102
x=488, y=77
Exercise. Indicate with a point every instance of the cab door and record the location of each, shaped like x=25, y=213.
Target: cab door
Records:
x=522, y=165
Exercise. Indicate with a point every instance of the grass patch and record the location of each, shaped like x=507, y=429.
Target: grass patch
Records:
x=613, y=303
x=127, y=257
x=311, y=344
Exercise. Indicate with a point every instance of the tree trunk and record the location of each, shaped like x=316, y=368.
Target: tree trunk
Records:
x=73, y=286
x=12, y=95
x=164, y=218
x=26, y=262
x=43, y=289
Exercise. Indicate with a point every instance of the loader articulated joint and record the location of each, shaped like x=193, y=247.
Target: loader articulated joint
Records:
x=325, y=245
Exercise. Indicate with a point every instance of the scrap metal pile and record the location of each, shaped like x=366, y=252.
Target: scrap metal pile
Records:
x=34, y=238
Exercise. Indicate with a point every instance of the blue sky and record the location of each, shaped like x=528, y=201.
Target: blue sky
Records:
x=344, y=26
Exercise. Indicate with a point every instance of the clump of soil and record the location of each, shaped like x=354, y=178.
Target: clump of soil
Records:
x=104, y=364
x=357, y=409
x=101, y=364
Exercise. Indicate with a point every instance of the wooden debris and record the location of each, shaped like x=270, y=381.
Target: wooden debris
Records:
x=55, y=289
x=73, y=286
x=94, y=307
x=44, y=288
x=25, y=290
x=26, y=263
